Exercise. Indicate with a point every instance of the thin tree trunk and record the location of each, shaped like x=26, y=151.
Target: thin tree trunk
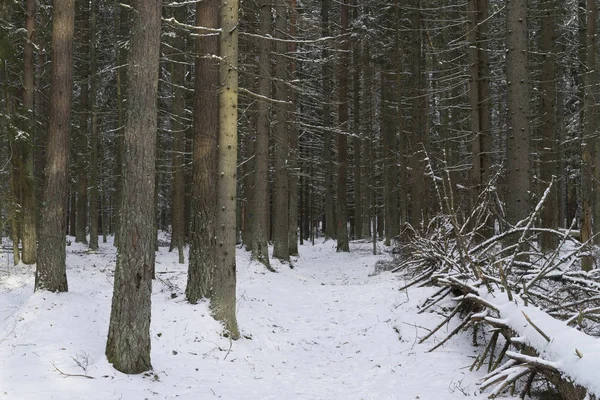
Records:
x=128, y=344
x=51, y=273
x=327, y=153
x=203, y=244
x=260, y=223
x=223, y=302
x=94, y=132
x=293, y=131
x=28, y=201
x=342, y=142
x=282, y=142
x=548, y=158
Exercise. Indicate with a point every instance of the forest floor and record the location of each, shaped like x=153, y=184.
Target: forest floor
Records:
x=328, y=329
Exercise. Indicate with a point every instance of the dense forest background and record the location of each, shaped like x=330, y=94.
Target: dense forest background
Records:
x=351, y=119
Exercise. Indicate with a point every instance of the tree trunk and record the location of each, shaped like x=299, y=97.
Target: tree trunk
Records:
x=94, y=132
x=223, y=302
x=327, y=153
x=590, y=128
x=51, y=273
x=203, y=244
x=293, y=156
x=260, y=223
x=342, y=142
x=128, y=345
x=548, y=150
x=390, y=169
x=28, y=201
x=282, y=142
x=178, y=126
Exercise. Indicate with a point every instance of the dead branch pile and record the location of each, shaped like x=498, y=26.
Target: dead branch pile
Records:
x=526, y=298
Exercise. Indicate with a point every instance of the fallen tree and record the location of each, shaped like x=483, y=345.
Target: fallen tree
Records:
x=540, y=309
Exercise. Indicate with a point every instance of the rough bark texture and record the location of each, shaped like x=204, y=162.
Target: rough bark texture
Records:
x=128, y=345
x=327, y=153
x=28, y=202
x=282, y=142
x=293, y=156
x=548, y=150
x=94, y=130
x=590, y=127
x=517, y=151
x=203, y=245
x=357, y=141
x=342, y=142
x=178, y=125
x=224, y=295
x=260, y=223
x=51, y=271
x=390, y=168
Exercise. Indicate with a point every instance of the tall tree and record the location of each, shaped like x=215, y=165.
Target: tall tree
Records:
x=293, y=140
x=342, y=142
x=51, y=272
x=517, y=149
x=94, y=214
x=327, y=145
x=28, y=207
x=590, y=129
x=128, y=344
x=203, y=243
x=281, y=248
x=548, y=156
x=260, y=223
x=224, y=296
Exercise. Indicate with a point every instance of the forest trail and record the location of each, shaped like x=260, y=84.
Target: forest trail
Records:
x=328, y=329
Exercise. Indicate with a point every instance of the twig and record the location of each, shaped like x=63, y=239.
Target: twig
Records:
x=65, y=374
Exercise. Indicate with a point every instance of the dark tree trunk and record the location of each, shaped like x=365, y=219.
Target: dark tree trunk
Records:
x=203, y=245
x=128, y=345
x=51, y=273
x=342, y=142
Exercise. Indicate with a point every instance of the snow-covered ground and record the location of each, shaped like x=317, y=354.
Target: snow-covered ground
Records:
x=327, y=329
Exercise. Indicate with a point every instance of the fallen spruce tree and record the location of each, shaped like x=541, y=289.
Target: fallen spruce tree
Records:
x=540, y=311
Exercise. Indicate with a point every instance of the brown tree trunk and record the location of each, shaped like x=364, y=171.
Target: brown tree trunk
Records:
x=548, y=148
x=260, y=223
x=128, y=344
x=51, y=273
x=282, y=142
x=94, y=131
x=327, y=153
x=223, y=303
x=293, y=131
x=28, y=201
x=342, y=142
x=203, y=244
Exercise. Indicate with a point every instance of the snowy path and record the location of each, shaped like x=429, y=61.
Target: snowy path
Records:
x=324, y=330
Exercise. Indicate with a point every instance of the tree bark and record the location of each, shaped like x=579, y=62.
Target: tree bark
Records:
x=28, y=201
x=548, y=157
x=128, y=345
x=51, y=271
x=293, y=135
x=203, y=245
x=94, y=129
x=224, y=295
x=517, y=151
x=260, y=222
x=342, y=142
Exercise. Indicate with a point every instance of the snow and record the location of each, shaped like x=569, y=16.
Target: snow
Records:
x=327, y=329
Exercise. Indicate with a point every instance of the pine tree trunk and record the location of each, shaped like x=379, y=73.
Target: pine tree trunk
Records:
x=94, y=198
x=517, y=151
x=128, y=344
x=327, y=153
x=282, y=142
x=260, y=223
x=28, y=205
x=223, y=302
x=203, y=244
x=51, y=271
x=342, y=142
x=293, y=131
x=178, y=125
x=357, y=145
x=548, y=157
x=390, y=169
